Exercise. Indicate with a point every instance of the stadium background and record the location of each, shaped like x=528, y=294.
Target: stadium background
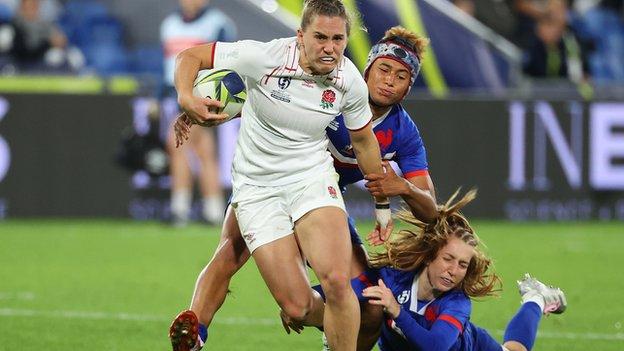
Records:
x=85, y=262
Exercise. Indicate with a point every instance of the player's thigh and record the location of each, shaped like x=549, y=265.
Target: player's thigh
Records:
x=282, y=268
x=232, y=247
x=321, y=225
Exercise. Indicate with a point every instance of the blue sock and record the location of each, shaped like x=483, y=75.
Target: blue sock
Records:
x=523, y=326
x=203, y=332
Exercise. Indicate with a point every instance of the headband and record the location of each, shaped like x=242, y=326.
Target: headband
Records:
x=393, y=50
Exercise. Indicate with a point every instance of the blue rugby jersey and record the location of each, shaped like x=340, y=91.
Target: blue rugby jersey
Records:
x=399, y=141
x=439, y=324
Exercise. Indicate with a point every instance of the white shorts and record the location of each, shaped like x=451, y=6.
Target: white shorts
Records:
x=267, y=213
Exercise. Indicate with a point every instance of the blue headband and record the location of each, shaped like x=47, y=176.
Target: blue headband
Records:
x=397, y=52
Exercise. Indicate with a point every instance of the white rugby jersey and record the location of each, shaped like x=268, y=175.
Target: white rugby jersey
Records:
x=178, y=34
x=282, y=138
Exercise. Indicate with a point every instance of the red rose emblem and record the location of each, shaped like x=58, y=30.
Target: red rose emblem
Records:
x=329, y=96
x=332, y=192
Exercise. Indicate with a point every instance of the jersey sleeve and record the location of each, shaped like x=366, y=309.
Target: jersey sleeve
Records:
x=245, y=57
x=456, y=311
x=411, y=156
x=445, y=329
x=356, y=112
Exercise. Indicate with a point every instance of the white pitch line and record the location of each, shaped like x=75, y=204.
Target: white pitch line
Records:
x=12, y=312
x=22, y=295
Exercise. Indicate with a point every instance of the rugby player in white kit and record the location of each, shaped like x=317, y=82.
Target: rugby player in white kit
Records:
x=283, y=178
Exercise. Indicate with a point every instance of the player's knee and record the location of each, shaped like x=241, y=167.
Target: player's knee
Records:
x=336, y=285
x=296, y=309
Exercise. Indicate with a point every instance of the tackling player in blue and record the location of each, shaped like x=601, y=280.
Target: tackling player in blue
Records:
x=392, y=67
x=426, y=278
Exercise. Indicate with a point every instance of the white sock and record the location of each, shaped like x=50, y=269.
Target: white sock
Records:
x=535, y=297
x=213, y=208
x=181, y=203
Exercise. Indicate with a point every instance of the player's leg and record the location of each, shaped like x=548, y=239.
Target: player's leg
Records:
x=280, y=259
x=213, y=282
x=181, y=180
x=371, y=315
x=191, y=326
x=209, y=180
x=266, y=226
x=324, y=240
x=537, y=299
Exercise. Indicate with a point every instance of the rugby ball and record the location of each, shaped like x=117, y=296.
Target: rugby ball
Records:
x=224, y=85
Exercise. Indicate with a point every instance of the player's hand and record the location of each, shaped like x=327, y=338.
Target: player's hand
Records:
x=182, y=129
x=387, y=184
x=202, y=110
x=380, y=234
x=382, y=296
x=290, y=324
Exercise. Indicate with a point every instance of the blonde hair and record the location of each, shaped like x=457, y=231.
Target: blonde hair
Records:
x=413, y=249
x=419, y=44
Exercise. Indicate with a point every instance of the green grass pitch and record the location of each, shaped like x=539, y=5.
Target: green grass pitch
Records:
x=115, y=285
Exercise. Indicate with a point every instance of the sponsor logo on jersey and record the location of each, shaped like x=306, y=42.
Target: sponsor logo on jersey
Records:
x=327, y=99
x=232, y=55
x=403, y=297
x=283, y=82
x=280, y=95
x=332, y=192
x=308, y=83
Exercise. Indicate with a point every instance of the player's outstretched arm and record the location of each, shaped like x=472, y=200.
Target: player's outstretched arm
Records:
x=366, y=148
x=420, y=201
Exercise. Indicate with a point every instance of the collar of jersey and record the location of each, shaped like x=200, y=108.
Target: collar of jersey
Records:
x=414, y=298
x=379, y=120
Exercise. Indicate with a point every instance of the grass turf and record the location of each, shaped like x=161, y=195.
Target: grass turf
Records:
x=115, y=285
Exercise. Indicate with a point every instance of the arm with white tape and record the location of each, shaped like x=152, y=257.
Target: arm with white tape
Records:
x=366, y=148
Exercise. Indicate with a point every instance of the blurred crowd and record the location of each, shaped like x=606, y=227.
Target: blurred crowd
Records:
x=68, y=36
x=580, y=40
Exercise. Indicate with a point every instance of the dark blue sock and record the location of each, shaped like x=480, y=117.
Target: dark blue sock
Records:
x=203, y=332
x=523, y=326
